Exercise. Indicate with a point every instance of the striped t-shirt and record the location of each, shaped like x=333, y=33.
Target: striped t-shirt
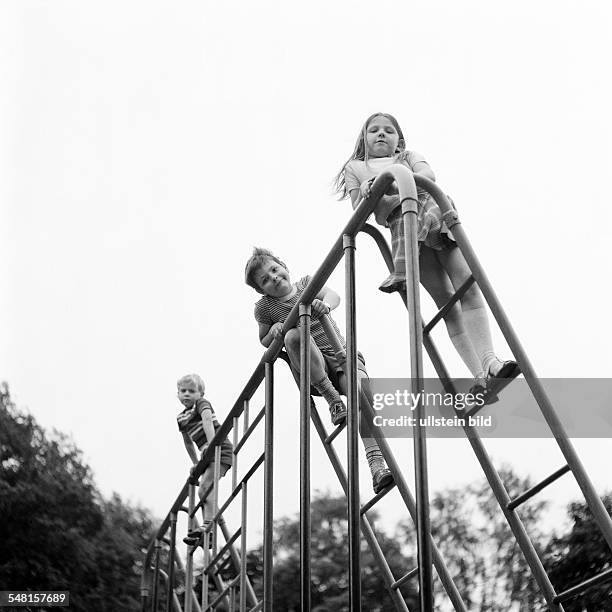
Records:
x=270, y=310
x=190, y=421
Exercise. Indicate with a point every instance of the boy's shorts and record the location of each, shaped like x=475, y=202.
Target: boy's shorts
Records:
x=333, y=369
x=227, y=453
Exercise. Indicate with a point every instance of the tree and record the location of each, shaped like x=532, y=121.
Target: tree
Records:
x=581, y=554
x=57, y=532
x=329, y=562
x=479, y=549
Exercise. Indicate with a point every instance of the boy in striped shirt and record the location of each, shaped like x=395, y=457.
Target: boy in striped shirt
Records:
x=268, y=275
x=198, y=425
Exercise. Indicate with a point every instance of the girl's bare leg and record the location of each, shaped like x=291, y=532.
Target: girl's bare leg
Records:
x=473, y=308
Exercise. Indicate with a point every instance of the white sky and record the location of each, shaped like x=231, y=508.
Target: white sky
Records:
x=147, y=146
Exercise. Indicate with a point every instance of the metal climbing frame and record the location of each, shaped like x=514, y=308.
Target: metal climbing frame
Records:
x=419, y=335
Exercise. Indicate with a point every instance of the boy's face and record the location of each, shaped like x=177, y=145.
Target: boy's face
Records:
x=273, y=279
x=188, y=394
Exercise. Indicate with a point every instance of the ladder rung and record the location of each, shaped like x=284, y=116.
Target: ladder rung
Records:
x=444, y=310
x=398, y=583
x=583, y=586
x=368, y=505
x=333, y=435
x=517, y=501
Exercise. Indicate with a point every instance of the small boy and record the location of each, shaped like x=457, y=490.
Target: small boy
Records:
x=198, y=425
x=268, y=275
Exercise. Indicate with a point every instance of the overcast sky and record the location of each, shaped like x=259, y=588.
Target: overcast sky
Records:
x=148, y=146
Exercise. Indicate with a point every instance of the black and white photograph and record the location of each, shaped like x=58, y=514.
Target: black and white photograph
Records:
x=304, y=307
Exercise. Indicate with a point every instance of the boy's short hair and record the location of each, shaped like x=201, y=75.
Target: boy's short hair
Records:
x=195, y=379
x=257, y=259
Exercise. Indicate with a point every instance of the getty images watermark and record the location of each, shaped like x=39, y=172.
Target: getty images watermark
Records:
x=434, y=404
x=584, y=407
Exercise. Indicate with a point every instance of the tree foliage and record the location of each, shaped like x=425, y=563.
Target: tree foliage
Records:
x=57, y=532
x=581, y=554
x=479, y=549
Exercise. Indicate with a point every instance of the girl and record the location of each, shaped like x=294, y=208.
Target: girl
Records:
x=442, y=266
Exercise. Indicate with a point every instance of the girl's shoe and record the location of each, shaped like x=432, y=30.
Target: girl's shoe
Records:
x=490, y=386
x=480, y=389
x=495, y=383
x=393, y=282
x=338, y=412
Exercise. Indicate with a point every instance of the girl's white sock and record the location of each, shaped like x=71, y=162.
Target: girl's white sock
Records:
x=466, y=351
x=477, y=326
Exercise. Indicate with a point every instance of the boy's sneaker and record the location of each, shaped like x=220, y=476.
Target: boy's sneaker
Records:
x=338, y=412
x=198, y=536
x=381, y=479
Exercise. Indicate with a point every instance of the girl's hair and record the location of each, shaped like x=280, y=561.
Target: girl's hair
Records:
x=194, y=379
x=258, y=259
x=361, y=150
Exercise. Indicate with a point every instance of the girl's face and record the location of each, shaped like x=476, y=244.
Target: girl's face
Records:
x=382, y=138
x=273, y=279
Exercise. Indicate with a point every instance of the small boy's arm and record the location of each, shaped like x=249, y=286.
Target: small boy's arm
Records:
x=207, y=424
x=190, y=448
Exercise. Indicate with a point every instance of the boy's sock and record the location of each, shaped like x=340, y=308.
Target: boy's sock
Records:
x=374, y=455
x=327, y=390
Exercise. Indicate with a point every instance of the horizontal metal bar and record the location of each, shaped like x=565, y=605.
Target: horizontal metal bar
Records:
x=250, y=430
x=583, y=586
x=238, y=487
x=411, y=574
x=523, y=497
x=368, y=505
x=334, y=434
x=454, y=299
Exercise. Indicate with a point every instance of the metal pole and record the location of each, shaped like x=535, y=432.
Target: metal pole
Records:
x=243, y=551
x=156, y=576
x=304, y=313
x=171, y=553
x=268, y=489
x=348, y=244
x=189, y=564
x=409, y=212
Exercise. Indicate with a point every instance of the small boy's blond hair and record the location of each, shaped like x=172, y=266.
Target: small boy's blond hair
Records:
x=258, y=259
x=194, y=379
